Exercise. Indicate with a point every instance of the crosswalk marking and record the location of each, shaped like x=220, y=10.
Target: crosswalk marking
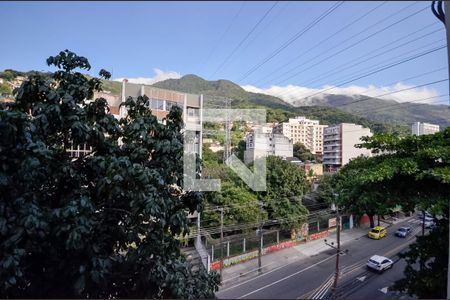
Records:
x=415, y=221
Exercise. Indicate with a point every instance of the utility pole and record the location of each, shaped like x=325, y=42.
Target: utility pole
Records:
x=221, y=242
x=260, y=239
x=443, y=14
x=338, y=253
x=227, y=139
x=423, y=222
x=447, y=27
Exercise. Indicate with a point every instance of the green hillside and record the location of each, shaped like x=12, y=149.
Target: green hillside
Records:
x=214, y=92
x=330, y=110
x=388, y=111
x=277, y=110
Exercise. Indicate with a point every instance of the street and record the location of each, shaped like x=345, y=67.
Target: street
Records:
x=313, y=277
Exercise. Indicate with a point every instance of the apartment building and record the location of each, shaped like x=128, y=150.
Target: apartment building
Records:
x=419, y=128
x=262, y=142
x=303, y=130
x=339, y=144
x=160, y=102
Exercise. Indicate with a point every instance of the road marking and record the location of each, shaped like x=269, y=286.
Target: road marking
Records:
x=321, y=291
x=384, y=290
x=362, y=278
x=284, y=278
x=324, y=290
x=350, y=269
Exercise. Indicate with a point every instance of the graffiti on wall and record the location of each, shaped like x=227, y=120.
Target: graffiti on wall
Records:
x=249, y=255
x=277, y=247
x=302, y=234
x=318, y=235
x=234, y=260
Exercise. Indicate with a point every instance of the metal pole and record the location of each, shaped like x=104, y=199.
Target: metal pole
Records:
x=338, y=252
x=221, y=242
x=447, y=27
x=423, y=222
x=260, y=241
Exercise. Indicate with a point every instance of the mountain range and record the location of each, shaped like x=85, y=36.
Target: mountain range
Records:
x=373, y=109
x=378, y=114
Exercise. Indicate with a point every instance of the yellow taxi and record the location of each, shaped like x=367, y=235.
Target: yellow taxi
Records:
x=377, y=232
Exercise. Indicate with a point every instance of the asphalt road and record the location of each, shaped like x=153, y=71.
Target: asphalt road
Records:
x=312, y=278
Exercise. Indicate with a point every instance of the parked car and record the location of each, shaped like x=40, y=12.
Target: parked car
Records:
x=403, y=231
x=429, y=223
x=379, y=263
x=377, y=232
x=427, y=215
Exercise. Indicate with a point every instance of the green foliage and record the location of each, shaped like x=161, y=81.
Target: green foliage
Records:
x=286, y=185
x=67, y=225
x=325, y=191
x=241, y=206
x=332, y=116
x=240, y=149
x=430, y=280
x=5, y=89
x=302, y=153
x=412, y=172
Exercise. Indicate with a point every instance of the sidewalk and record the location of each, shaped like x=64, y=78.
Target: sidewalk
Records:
x=243, y=271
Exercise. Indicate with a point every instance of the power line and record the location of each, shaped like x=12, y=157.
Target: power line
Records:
x=374, y=70
x=293, y=39
x=216, y=45
x=381, y=69
x=343, y=42
x=244, y=39
x=324, y=40
x=347, y=66
x=350, y=46
x=390, y=60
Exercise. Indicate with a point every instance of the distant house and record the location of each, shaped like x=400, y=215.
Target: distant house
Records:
x=262, y=143
x=419, y=128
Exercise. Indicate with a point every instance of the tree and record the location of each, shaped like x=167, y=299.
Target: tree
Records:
x=98, y=226
x=430, y=281
x=240, y=206
x=413, y=172
x=5, y=89
x=301, y=152
x=286, y=185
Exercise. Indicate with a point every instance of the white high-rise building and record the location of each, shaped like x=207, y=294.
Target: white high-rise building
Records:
x=419, y=128
x=262, y=143
x=303, y=130
x=339, y=144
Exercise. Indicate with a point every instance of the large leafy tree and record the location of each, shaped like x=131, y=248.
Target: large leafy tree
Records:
x=413, y=172
x=301, y=152
x=240, y=206
x=286, y=185
x=101, y=225
x=426, y=271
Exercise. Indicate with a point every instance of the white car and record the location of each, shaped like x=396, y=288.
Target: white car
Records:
x=379, y=263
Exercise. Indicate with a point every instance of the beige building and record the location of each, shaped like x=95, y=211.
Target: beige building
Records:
x=419, y=128
x=160, y=102
x=339, y=144
x=303, y=130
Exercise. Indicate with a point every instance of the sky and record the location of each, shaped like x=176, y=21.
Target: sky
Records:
x=281, y=48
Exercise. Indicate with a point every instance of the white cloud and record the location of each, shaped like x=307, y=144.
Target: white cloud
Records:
x=160, y=75
x=291, y=93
